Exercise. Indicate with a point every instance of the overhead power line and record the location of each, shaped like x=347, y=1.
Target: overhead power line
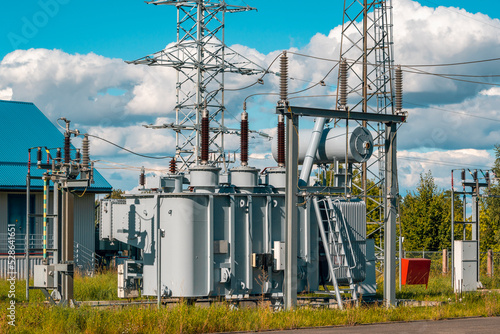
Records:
x=454, y=112
x=130, y=151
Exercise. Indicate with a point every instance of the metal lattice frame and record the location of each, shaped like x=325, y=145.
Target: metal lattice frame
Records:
x=367, y=46
x=201, y=59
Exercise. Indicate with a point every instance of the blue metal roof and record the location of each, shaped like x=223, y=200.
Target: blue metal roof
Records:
x=22, y=126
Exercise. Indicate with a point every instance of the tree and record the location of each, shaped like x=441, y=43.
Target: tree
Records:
x=490, y=215
x=426, y=216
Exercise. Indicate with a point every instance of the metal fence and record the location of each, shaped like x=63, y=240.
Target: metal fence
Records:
x=86, y=260
x=436, y=258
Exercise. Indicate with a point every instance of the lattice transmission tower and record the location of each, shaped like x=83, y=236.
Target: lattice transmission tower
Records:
x=367, y=47
x=201, y=59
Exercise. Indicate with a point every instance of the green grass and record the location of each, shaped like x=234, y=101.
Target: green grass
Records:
x=103, y=286
x=37, y=317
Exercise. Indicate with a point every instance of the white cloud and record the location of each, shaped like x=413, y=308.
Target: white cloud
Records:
x=6, y=94
x=83, y=88
x=440, y=163
x=494, y=91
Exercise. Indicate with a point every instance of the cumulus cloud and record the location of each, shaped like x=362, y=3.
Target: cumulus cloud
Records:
x=85, y=87
x=412, y=164
x=6, y=94
x=112, y=99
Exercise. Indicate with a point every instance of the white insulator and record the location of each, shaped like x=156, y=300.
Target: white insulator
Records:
x=399, y=89
x=343, y=84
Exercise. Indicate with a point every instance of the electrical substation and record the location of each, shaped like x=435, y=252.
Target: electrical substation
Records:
x=209, y=229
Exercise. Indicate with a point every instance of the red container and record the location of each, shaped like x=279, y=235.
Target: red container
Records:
x=415, y=271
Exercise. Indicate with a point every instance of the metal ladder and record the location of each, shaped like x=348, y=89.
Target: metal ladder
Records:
x=333, y=230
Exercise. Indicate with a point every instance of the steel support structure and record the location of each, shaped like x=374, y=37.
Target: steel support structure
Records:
x=391, y=177
x=291, y=210
x=200, y=58
x=390, y=122
x=472, y=190
x=367, y=46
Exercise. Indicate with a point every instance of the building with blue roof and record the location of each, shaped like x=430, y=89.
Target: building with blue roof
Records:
x=24, y=126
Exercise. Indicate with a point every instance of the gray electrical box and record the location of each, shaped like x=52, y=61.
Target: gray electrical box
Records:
x=44, y=276
x=465, y=264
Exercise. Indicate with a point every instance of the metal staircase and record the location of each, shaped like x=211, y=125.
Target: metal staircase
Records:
x=337, y=246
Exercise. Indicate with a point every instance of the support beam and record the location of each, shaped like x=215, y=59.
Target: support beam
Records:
x=391, y=178
x=291, y=214
x=342, y=114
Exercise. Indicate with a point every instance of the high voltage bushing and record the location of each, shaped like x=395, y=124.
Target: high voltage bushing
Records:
x=204, y=136
x=284, y=77
x=39, y=155
x=399, y=89
x=173, y=166
x=244, y=138
x=343, y=84
x=142, y=178
x=67, y=147
x=78, y=155
x=85, y=151
x=281, y=140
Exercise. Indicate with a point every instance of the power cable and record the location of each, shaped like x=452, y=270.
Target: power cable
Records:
x=438, y=162
x=417, y=71
x=462, y=14
x=130, y=151
x=454, y=112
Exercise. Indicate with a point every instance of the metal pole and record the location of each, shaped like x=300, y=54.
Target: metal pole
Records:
x=365, y=87
x=445, y=261
x=452, y=231
x=158, y=253
x=67, y=256
x=490, y=263
x=291, y=212
x=391, y=214
x=27, y=237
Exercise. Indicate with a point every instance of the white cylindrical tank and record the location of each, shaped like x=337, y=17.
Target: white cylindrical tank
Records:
x=332, y=146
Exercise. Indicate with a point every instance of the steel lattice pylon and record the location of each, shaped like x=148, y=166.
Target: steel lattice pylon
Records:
x=367, y=46
x=201, y=59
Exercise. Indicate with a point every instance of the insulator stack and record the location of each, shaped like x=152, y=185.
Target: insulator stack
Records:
x=281, y=141
x=284, y=77
x=474, y=175
x=244, y=138
x=78, y=155
x=85, y=151
x=463, y=175
x=399, y=89
x=205, y=128
x=142, y=178
x=67, y=147
x=343, y=84
x=58, y=154
x=39, y=155
x=487, y=177
x=173, y=166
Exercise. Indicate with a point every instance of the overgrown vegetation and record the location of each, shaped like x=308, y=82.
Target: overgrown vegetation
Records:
x=38, y=317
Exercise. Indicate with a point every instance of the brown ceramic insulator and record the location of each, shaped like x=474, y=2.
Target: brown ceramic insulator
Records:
x=244, y=141
x=204, y=139
x=67, y=147
x=142, y=179
x=173, y=166
x=281, y=143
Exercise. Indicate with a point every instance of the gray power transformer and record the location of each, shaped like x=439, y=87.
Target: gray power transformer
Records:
x=227, y=239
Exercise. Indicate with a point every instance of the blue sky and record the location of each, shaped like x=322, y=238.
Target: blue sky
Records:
x=72, y=65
